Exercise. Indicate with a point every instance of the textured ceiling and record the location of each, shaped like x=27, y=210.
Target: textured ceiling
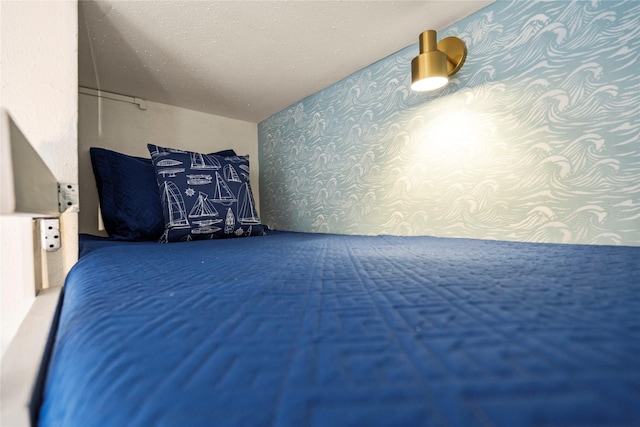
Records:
x=244, y=59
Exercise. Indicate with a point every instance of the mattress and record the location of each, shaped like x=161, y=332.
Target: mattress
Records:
x=295, y=329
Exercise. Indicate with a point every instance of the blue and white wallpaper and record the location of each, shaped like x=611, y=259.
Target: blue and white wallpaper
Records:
x=537, y=138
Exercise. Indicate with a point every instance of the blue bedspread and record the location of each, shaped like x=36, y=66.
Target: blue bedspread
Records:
x=294, y=329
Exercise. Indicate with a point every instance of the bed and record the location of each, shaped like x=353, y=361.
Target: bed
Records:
x=302, y=329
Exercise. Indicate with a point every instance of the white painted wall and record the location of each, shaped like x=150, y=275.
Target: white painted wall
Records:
x=123, y=127
x=17, y=275
x=39, y=80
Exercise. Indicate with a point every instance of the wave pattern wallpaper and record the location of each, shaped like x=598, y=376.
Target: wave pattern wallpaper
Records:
x=537, y=138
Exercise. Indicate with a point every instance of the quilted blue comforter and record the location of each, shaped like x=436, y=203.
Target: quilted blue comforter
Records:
x=294, y=329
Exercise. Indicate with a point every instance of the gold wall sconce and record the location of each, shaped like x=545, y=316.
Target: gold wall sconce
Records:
x=436, y=62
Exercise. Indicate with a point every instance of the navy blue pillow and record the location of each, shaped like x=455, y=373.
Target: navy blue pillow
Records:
x=128, y=193
x=204, y=196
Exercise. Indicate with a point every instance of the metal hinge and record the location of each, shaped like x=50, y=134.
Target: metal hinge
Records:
x=50, y=234
x=68, y=198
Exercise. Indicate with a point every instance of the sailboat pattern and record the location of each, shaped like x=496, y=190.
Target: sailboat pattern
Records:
x=223, y=193
x=230, y=173
x=203, y=207
x=204, y=161
x=222, y=204
x=173, y=205
x=247, y=206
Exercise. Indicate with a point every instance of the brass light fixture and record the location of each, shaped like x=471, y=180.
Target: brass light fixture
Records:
x=437, y=61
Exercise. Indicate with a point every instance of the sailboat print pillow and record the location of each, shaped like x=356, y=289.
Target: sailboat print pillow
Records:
x=204, y=196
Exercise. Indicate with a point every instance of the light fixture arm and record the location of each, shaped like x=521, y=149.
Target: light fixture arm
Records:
x=456, y=52
x=427, y=40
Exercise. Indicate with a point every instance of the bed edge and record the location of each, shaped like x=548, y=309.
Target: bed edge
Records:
x=24, y=363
